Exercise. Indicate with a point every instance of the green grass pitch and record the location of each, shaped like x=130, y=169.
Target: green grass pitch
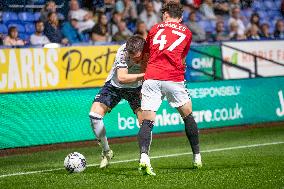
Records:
x=252, y=158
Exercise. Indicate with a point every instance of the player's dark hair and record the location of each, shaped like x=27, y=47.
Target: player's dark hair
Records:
x=135, y=44
x=174, y=9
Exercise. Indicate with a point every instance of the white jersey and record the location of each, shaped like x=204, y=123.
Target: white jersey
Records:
x=122, y=60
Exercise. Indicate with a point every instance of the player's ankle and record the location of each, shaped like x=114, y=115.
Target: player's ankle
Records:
x=144, y=158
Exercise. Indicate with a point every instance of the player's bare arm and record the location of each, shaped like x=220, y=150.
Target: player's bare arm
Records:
x=124, y=77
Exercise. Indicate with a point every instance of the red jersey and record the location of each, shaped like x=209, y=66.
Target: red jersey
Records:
x=167, y=44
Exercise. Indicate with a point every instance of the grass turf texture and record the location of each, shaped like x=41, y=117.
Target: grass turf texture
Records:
x=256, y=167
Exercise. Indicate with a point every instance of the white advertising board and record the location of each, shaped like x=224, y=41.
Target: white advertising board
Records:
x=273, y=50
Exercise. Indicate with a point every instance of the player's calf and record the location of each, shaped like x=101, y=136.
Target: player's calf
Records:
x=192, y=134
x=100, y=132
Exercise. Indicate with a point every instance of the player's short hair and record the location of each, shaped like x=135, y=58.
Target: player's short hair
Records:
x=174, y=9
x=135, y=44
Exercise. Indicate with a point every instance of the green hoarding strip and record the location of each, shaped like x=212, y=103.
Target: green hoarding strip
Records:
x=39, y=118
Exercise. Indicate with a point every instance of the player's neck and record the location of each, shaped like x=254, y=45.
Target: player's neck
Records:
x=172, y=20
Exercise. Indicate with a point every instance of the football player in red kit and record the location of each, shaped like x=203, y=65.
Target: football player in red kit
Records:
x=166, y=46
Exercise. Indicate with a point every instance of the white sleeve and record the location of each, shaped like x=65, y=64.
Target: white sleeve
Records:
x=121, y=58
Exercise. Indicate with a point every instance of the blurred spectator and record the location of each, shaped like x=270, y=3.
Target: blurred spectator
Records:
x=253, y=33
x=264, y=31
x=234, y=32
x=1, y=39
x=116, y=18
x=70, y=31
x=234, y=4
x=141, y=29
x=52, y=30
x=207, y=9
x=198, y=33
x=254, y=19
x=127, y=8
x=149, y=16
x=50, y=6
x=100, y=31
x=282, y=8
x=38, y=38
x=195, y=4
x=221, y=7
x=85, y=18
x=157, y=6
x=279, y=30
x=12, y=38
x=235, y=17
x=246, y=4
x=140, y=6
x=123, y=33
x=221, y=34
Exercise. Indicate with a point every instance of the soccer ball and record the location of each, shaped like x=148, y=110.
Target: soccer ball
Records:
x=75, y=162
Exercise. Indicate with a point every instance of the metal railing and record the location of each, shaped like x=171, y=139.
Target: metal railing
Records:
x=214, y=68
x=255, y=57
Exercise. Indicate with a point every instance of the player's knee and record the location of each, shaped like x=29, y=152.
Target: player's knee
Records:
x=97, y=124
x=95, y=117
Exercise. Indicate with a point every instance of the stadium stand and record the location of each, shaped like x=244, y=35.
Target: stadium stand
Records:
x=23, y=14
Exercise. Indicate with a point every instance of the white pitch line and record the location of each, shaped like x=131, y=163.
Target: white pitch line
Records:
x=154, y=157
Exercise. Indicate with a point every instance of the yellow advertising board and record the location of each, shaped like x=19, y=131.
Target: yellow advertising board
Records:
x=34, y=69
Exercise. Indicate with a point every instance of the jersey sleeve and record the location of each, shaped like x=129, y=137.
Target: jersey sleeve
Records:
x=121, y=58
x=147, y=44
x=187, y=47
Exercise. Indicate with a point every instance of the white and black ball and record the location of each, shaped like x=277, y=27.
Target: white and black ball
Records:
x=75, y=162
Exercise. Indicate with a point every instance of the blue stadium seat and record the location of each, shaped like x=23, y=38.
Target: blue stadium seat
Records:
x=24, y=36
x=263, y=14
x=26, y=17
x=3, y=29
x=199, y=16
x=270, y=5
x=37, y=16
x=9, y=17
x=39, y=2
x=206, y=25
x=30, y=28
x=257, y=6
x=273, y=14
x=278, y=3
x=20, y=27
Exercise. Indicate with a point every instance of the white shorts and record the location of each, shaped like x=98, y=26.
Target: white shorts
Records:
x=154, y=91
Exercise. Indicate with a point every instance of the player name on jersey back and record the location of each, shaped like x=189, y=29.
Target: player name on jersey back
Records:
x=172, y=25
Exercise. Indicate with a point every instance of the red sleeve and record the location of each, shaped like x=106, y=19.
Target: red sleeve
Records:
x=187, y=47
x=147, y=44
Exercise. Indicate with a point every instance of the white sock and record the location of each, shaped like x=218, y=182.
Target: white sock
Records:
x=197, y=158
x=99, y=129
x=144, y=158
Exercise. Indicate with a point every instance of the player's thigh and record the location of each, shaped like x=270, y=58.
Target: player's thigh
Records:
x=107, y=99
x=177, y=95
x=151, y=95
x=133, y=97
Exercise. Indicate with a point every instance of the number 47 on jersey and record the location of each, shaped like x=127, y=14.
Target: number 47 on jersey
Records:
x=163, y=41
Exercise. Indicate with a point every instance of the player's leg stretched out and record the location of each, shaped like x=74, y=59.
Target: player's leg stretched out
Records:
x=96, y=115
x=123, y=82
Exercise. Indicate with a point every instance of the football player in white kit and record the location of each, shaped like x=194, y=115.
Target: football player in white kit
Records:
x=123, y=82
